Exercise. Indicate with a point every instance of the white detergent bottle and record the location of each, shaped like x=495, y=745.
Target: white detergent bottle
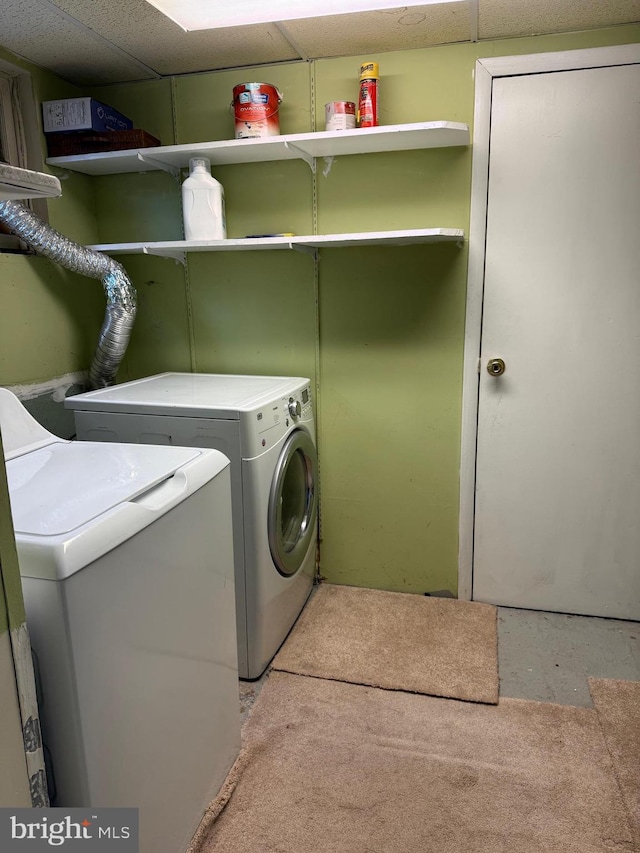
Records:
x=203, y=203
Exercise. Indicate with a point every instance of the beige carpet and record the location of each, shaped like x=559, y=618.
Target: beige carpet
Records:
x=618, y=707
x=399, y=641
x=330, y=767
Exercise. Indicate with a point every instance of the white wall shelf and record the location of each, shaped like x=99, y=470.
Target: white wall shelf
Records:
x=305, y=146
x=18, y=183
x=178, y=248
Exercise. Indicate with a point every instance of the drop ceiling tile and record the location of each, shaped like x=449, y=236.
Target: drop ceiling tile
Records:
x=509, y=18
x=210, y=50
x=392, y=29
x=144, y=32
x=93, y=42
x=44, y=36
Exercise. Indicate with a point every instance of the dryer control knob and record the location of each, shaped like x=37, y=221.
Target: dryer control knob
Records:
x=295, y=409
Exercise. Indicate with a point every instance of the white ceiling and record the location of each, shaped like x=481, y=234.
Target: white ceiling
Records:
x=92, y=42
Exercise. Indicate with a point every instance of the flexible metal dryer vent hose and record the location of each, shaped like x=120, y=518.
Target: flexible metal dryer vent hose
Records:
x=120, y=293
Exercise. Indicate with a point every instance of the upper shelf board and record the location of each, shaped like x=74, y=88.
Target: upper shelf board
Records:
x=18, y=183
x=306, y=146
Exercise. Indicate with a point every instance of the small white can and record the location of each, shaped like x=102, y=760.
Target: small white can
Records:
x=340, y=115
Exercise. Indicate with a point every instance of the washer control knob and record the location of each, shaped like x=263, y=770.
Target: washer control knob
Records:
x=295, y=409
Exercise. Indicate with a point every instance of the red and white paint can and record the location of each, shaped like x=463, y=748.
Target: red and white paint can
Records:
x=368, y=99
x=340, y=115
x=255, y=107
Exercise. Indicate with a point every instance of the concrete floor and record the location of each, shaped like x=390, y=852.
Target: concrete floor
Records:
x=249, y=691
x=546, y=657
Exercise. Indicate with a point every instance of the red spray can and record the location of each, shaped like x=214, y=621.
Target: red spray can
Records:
x=368, y=98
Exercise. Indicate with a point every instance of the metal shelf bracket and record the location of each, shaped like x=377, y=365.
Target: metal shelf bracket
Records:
x=306, y=250
x=177, y=255
x=158, y=164
x=304, y=155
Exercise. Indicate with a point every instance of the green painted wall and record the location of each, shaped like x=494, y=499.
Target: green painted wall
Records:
x=392, y=325
x=49, y=321
x=379, y=331
x=11, y=605
x=50, y=317
x=391, y=358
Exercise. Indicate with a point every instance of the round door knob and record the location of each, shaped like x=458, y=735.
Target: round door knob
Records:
x=496, y=367
x=295, y=409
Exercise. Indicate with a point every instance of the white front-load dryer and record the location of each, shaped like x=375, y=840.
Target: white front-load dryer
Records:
x=265, y=425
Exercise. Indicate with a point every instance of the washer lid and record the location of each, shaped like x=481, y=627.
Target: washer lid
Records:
x=190, y=394
x=20, y=431
x=59, y=488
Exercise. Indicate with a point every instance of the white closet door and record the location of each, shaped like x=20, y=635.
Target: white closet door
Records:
x=557, y=523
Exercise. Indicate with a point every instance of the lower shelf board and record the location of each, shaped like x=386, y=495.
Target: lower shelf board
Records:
x=178, y=248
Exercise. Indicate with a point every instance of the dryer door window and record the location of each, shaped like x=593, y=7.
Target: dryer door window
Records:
x=293, y=503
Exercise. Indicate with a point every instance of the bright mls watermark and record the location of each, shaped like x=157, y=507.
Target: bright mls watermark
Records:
x=73, y=830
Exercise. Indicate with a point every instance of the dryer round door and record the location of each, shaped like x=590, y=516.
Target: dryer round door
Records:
x=293, y=503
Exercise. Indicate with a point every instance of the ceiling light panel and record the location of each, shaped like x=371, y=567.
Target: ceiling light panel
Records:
x=205, y=15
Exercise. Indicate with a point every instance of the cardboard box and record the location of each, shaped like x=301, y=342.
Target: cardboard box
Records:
x=81, y=114
x=90, y=142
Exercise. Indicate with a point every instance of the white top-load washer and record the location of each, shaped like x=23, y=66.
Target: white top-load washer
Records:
x=126, y=558
x=265, y=425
